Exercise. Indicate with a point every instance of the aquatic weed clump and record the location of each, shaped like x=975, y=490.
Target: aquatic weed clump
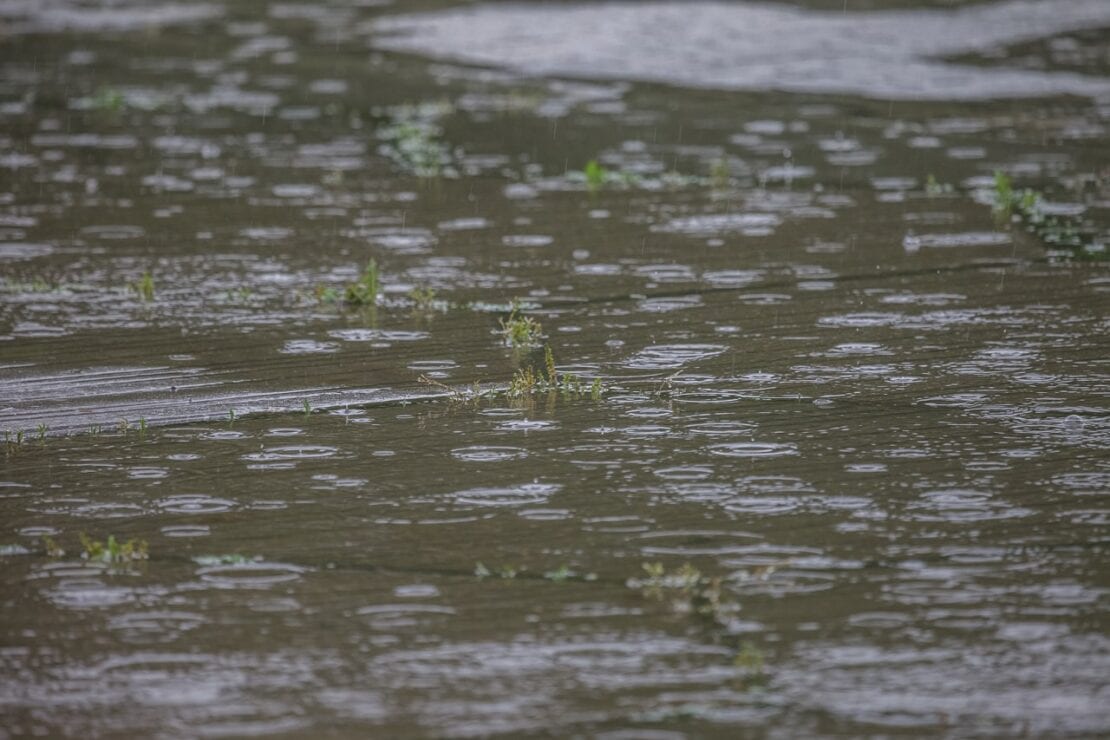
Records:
x=530, y=380
x=595, y=175
x=144, y=286
x=424, y=301
x=520, y=331
x=412, y=140
x=113, y=551
x=1030, y=207
x=686, y=588
x=12, y=441
x=365, y=290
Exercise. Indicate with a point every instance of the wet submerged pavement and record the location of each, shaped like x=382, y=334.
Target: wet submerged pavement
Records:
x=868, y=411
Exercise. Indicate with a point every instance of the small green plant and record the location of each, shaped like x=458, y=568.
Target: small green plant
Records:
x=934, y=189
x=523, y=383
x=327, y=294
x=113, y=551
x=42, y=430
x=307, y=408
x=549, y=365
x=52, y=548
x=364, y=291
x=719, y=173
x=230, y=417
x=595, y=175
x=527, y=380
x=506, y=572
x=108, y=99
x=142, y=426
x=37, y=284
x=687, y=589
x=560, y=574
x=749, y=659
x=240, y=295
x=520, y=331
x=460, y=395
x=1028, y=205
x=415, y=146
x=424, y=300
x=144, y=286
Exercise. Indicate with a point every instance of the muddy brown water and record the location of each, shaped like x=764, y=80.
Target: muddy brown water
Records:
x=870, y=413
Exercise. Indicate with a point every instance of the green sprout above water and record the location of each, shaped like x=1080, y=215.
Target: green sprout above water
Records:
x=749, y=658
x=144, y=286
x=934, y=188
x=240, y=295
x=598, y=177
x=520, y=331
x=424, y=300
x=415, y=146
x=365, y=291
x=37, y=284
x=595, y=175
x=12, y=442
x=113, y=551
x=720, y=174
x=108, y=99
x=506, y=572
x=52, y=548
x=328, y=294
x=563, y=573
x=687, y=590
x=530, y=380
x=1029, y=207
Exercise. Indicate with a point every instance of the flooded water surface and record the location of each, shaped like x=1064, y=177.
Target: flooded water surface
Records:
x=656, y=370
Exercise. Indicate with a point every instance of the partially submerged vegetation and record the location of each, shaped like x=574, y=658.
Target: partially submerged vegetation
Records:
x=13, y=441
x=530, y=380
x=520, y=331
x=108, y=552
x=144, y=287
x=597, y=177
x=561, y=574
x=424, y=300
x=412, y=139
x=365, y=290
x=527, y=382
x=685, y=588
x=108, y=99
x=113, y=551
x=1029, y=206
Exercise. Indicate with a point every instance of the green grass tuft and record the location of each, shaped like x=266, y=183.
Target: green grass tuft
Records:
x=595, y=175
x=520, y=331
x=144, y=286
x=365, y=291
x=113, y=551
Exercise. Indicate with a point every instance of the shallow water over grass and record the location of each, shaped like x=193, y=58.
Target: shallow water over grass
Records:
x=846, y=472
